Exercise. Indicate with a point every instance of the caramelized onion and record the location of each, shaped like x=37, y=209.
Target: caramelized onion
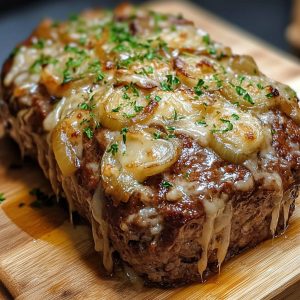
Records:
x=67, y=143
x=145, y=156
x=140, y=157
x=118, y=108
x=235, y=134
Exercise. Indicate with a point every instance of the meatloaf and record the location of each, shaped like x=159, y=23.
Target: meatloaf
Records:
x=179, y=153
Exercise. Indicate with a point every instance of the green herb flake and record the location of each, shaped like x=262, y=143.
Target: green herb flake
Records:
x=137, y=108
x=39, y=44
x=202, y=123
x=123, y=132
x=41, y=62
x=113, y=149
x=2, y=198
x=84, y=106
x=229, y=125
x=248, y=98
x=212, y=50
x=156, y=135
x=218, y=81
x=171, y=128
x=228, y=128
x=198, y=87
x=169, y=84
x=67, y=76
x=82, y=40
x=157, y=98
x=235, y=116
x=41, y=199
x=240, y=91
x=270, y=95
x=88, y=131
x=166, y=184
x=116, y=109
x=241, y=78
x=260, y=86
x=273, y=131
x=206, y=39
x=125, y=96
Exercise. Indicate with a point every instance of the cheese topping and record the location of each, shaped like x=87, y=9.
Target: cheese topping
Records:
x=149, y=78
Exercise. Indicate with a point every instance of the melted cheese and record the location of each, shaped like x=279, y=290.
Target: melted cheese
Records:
x=218, y=217
x=146, y=217
x=100, y=229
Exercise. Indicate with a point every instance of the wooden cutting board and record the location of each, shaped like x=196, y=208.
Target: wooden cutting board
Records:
x=42, y=256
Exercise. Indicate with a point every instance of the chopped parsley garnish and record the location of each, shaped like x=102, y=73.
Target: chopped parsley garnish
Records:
x=228, y=128
x=157, y=98
x=67, y=77
x=260, y=86
x=241, y=79
x=41, y=62
x=82, y=40
x=137, y=108
x=235, y=116
x=123, y=132
x=248, y=98
x=38, y=44
x=166, y=184
x=218, y=81
x=147, y=71
x=156, y=135
x=131, y=87
x=171, y=128
x=212, y=50
x=169, y=84
x=198, y=87
x=2, y=198
x=273, y=131
x=88, y=131
x=240, y=91
x=270, y=95
x=95, y=67
x=73, y=63
x=116, y=109
x=113, y=149
x=41, y=199
x=206, y=39
x=86, y=106
x=201, y=122
x=73, y=49
x=125, y=96
x=229, y=125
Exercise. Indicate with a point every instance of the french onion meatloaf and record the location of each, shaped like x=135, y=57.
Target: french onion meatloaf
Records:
x=178, y=152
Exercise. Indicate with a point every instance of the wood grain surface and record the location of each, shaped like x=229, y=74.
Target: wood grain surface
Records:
x=42, y=256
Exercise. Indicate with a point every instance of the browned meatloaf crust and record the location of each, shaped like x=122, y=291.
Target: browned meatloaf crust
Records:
x=163, y=238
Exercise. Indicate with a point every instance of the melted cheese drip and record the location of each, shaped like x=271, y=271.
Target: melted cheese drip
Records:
x=217, y=220
x=69, y=197
x=288, y=199
x=225, y=221
x=101, y=236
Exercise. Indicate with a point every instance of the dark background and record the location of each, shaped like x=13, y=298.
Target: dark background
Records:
x=266, y=19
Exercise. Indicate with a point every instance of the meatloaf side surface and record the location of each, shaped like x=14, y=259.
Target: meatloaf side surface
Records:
x=178, y=152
